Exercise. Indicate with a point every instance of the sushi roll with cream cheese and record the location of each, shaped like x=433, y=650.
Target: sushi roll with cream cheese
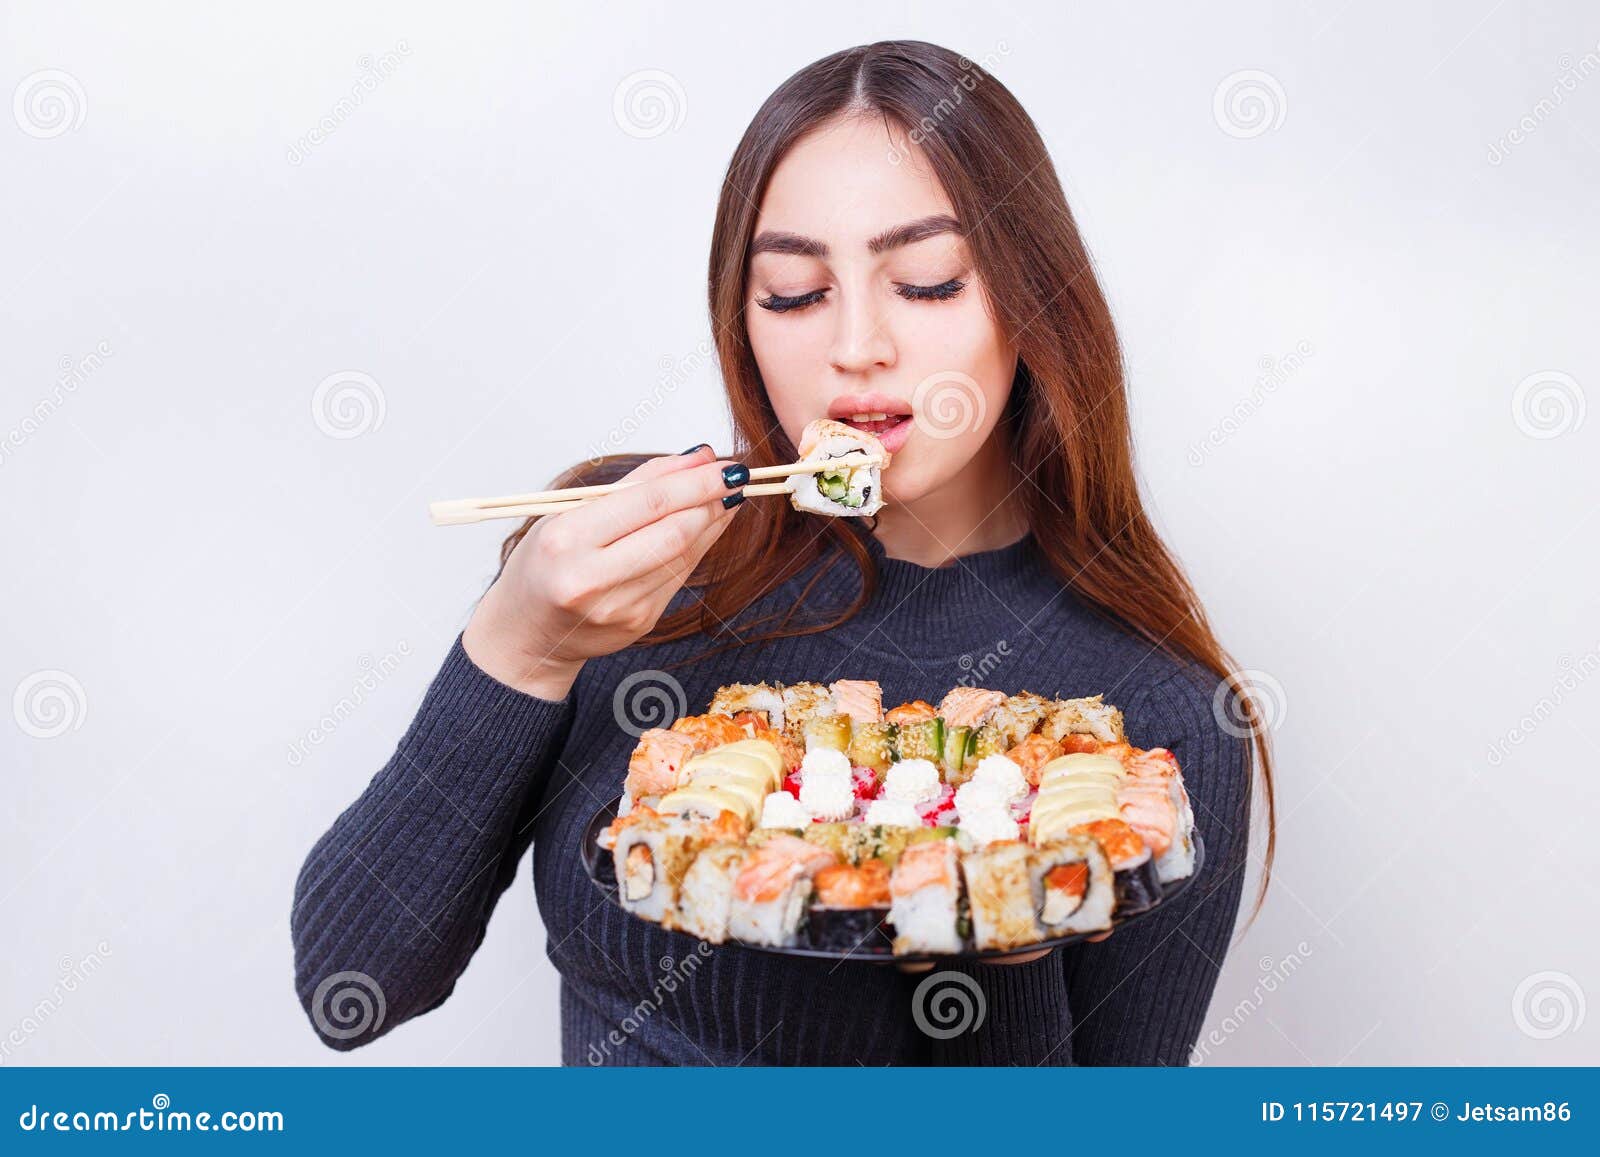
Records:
x=844, y=491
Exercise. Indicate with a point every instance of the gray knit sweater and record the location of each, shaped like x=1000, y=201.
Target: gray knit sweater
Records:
x=401, y=887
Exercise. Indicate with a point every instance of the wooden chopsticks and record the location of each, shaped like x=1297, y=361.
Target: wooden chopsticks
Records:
x=460, y=511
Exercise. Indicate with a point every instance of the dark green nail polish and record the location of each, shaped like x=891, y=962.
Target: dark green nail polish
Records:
x=692, y=449
x=732, y=500
x=736, y=475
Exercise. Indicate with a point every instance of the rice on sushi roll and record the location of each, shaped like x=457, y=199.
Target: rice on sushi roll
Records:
x=756, y=698
x=1071, y=887
x=925, y=897
x=999, y=897
x=846, y=491
x=651, y=855
x=705, y=897
x=1091, y=716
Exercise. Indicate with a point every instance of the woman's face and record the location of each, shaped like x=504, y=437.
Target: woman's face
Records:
x=864, y=306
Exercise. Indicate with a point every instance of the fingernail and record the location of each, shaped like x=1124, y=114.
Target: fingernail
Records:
x=736, y=475
x=692, y=449
x=733, y=500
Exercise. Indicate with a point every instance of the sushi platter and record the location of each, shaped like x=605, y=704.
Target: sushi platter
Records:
x=805, y=819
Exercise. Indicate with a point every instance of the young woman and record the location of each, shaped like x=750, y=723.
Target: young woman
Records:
x=892, y=249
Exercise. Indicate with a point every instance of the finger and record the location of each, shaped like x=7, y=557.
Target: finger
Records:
x=1100, y=937
x=606, y=520
x=657, y=585
x=914, y=968
x=1025, y=958
x=667, y=551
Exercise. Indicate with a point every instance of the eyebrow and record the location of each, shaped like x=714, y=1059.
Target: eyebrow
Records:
x=795, y=245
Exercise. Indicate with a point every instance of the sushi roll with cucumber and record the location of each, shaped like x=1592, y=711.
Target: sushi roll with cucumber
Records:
x=1000, y=898
x=771, y=890
x=844, y=491
x=873, y=745
x=849, y=907
x=1071, y=886
x=925, y=899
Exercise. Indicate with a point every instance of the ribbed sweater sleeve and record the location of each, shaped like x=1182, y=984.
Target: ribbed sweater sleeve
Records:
x=394, y=899
x=1140, y=997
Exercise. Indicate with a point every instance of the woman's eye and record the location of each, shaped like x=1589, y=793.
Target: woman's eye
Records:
x=944, y=291
x=779, y=304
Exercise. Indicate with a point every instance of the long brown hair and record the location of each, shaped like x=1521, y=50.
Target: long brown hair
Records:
x=1068, y=413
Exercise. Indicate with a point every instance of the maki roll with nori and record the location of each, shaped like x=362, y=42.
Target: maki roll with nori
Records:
x=771, y=890
x=849, y=907
x=1071, y=885
x=1138, y=885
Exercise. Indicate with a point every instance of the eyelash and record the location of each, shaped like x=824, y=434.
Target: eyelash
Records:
x=941, y=292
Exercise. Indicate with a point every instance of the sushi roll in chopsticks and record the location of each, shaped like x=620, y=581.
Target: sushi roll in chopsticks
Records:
x=850, y=907
x=772, y=887
x=999, y=895
x=848, y=491
x=1071, y=886
x=925, y=897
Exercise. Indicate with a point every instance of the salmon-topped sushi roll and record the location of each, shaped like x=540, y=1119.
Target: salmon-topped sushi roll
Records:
x=1133, y=868
x=969, y=706
x=656, y=766
x=710, y=731
x=771, y=889
x=860, y=699
x=1031, y=754
x=925, y=892
x=844, y=491
x=917, y=711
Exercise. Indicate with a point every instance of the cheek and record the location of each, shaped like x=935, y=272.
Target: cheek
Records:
x=783, y=355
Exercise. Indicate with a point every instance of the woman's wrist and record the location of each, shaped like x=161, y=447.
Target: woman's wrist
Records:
x=487, y=645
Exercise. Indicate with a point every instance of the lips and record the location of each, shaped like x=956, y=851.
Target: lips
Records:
x=884, y=416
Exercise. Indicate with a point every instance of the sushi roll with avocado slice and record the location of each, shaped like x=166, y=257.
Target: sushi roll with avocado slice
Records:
x=827, y=732
x=959, y=743
x=849, y=491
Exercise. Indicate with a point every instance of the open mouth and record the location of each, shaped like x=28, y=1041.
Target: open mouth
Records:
x=885, y=417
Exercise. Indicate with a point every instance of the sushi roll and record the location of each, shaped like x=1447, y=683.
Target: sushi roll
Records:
x=754, y=698
x=872, y=745
x=771, y=890
x=709, y=731
x=655, y=767
x=1074, y=790
x=921, y=739
x=651, y=856
x=917, y=711
x=1133, y=867
x=1155, y=804
x=849, y=907
x=925, y=896
x=828, y=732
x=1091, y=716
x=969, y=706
x=1072, y=887
x=859, y=699
x=705, y=898
x=800, y=702
x=1031, y=754
x=1000, y=898
x=845, y=491
x=1020, y=716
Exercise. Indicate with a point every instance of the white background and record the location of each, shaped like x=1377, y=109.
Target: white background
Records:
x=1382, y=533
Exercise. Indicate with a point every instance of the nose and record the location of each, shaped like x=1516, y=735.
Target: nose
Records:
x=861, y=338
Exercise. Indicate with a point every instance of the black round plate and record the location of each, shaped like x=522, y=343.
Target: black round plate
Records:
x=597, y=862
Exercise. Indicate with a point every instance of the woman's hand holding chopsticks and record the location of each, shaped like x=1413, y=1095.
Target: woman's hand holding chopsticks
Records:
x=592, y=579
